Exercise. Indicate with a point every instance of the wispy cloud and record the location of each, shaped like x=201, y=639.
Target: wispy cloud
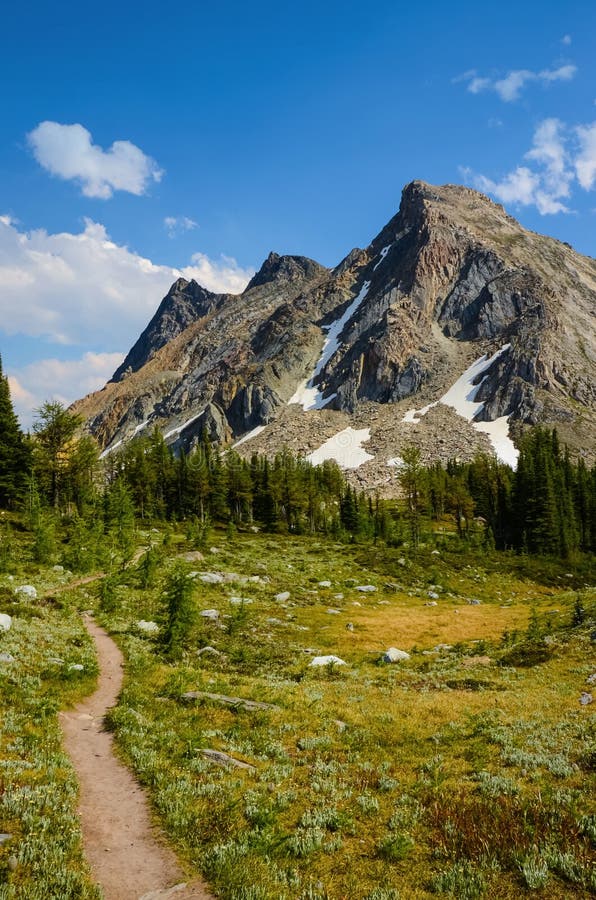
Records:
x=559, y=157
x=585, y=162
x=566, y=40
x=176, y=225
x=66, y=380
x=510, y=86
x=85, y=289
x=68, y=152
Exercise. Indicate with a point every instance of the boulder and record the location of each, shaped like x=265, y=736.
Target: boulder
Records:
x=27, y=590
x=5, y=622
x=327, y=661
x=393, y=655
x=211, y=578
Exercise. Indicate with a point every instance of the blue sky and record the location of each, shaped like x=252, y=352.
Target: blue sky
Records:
x=139, y=141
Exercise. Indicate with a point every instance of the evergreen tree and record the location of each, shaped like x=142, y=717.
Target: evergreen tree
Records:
x=15, y=454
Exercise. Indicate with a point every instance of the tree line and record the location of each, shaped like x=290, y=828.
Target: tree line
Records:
x=546, y=506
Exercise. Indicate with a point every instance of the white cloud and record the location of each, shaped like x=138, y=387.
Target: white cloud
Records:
x=56, y=379
x=176, y=225
x=585, y=162
x=566, y=40
x=559, y=157
x=510, y=86
x=67, y=151
x=85, y=289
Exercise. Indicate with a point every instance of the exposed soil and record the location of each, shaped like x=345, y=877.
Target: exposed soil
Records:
x=128, y=855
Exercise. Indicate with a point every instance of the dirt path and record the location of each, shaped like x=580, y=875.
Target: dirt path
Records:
x=128, y=856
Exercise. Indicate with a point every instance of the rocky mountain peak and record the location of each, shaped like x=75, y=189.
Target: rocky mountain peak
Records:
x=451, y=285
x=279, y=270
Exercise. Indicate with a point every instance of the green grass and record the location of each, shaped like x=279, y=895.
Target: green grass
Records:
x=454, y=773
x=447, y=774
x=38, y=789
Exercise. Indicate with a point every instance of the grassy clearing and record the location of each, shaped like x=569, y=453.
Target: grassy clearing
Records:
x=453, y=773
x=465, y=771
x=42, y=858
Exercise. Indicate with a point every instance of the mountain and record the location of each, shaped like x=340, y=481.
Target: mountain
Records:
x=454, y=310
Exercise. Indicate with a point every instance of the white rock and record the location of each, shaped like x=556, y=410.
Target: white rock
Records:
x=366, y=588
x=239, y=601
x=435, y=553
x=28, y=590
x=431, y=603
x=338, y=596
x=6, y=657
x=282, y=596
x=75, y=667
x=5, y=622
x=334, y=612
x=211, y=578
x=147, y=627
x=58, y=569
x=433, y=595
x=327, y=661
x=324, y=584
x=211, y=614
x=394, y=655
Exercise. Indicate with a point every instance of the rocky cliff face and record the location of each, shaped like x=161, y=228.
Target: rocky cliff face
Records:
x=450, y=278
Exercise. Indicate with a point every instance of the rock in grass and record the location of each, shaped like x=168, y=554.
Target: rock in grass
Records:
x=76, y=667
x=5, y=622
x=147, y=627
x=58, y=569
x=211, y=614
x=327, y=661
x=27, y=590
x=325, y=584
x=393, y=655
x=211, y=651
x=6, y=658
x=222, y=759
x=4, y=838
x=586, y=698
x=333, y=612
x=282, y=597
x=366, y=588
x=227, y=701
x=211, y=578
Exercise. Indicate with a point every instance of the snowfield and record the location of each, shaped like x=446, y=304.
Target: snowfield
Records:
x=345, y=448
x=461, y=397
x=309, y=396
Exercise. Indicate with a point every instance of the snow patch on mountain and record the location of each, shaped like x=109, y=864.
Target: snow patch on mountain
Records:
x=309, y=396
x=180, y=428
x=249, y=435
x=345, y=448
x=382, y=254
x=461, y=397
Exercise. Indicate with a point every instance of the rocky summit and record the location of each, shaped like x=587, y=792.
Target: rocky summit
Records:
x=453, y=330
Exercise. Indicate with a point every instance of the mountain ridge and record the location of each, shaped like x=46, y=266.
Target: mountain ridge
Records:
x=450, y=277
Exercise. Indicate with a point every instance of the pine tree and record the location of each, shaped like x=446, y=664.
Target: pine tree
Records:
x=15, y=455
